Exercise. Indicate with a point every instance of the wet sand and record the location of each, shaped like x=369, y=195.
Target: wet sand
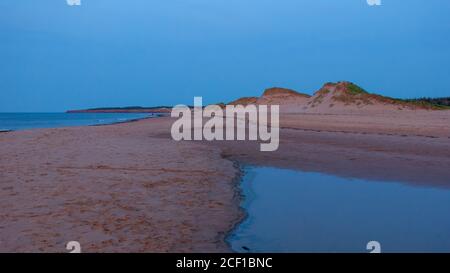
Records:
x=131, y=188
x=412, y=147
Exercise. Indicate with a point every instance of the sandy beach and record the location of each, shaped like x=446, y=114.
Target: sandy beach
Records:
x=131, y=188
x=116, y=188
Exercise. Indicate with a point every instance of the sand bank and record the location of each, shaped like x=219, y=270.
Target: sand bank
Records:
x=116, y=188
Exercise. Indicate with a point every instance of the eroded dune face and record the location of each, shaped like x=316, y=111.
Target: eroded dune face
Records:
x=282, y=96
x=245, y=101
x=333, y=98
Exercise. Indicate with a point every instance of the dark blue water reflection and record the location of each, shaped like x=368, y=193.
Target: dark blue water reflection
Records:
x=291, y=211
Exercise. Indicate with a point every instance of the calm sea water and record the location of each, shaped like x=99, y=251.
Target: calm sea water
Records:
x=291, y=211
x=21, y=121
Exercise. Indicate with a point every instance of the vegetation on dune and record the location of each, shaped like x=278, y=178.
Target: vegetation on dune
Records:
x=352, y=93
x=413, y=103
x=442, y=103
x=355, y=94
x=353, y=89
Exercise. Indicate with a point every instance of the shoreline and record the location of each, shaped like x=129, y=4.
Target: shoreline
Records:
x=89, y=125
x=158, y=115
x=119, y=188
x=242, y=212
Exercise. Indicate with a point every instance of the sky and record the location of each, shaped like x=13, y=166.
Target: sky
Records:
x=54, y=56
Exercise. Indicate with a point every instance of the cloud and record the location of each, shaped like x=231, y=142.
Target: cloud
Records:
x=374, y=2
x=74, y=2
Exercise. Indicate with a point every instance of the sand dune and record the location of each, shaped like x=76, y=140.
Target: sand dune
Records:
x=276, y=95
x=333, y=98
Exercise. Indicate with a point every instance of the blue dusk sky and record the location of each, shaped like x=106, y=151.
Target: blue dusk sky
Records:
x=55, y=57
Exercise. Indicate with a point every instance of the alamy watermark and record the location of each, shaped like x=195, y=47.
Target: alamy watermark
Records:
x=73, y=2
x=228, y=123
x=374, y=247
x=73, y=247
x=374, y=2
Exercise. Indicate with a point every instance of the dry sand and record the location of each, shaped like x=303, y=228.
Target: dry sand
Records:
x=129, y=187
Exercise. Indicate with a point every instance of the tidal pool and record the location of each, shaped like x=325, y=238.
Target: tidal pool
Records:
x=293, y=211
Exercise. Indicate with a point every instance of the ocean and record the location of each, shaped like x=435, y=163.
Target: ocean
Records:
x=24, y=121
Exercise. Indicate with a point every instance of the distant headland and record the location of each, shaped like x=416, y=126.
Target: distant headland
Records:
x=128, y=109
